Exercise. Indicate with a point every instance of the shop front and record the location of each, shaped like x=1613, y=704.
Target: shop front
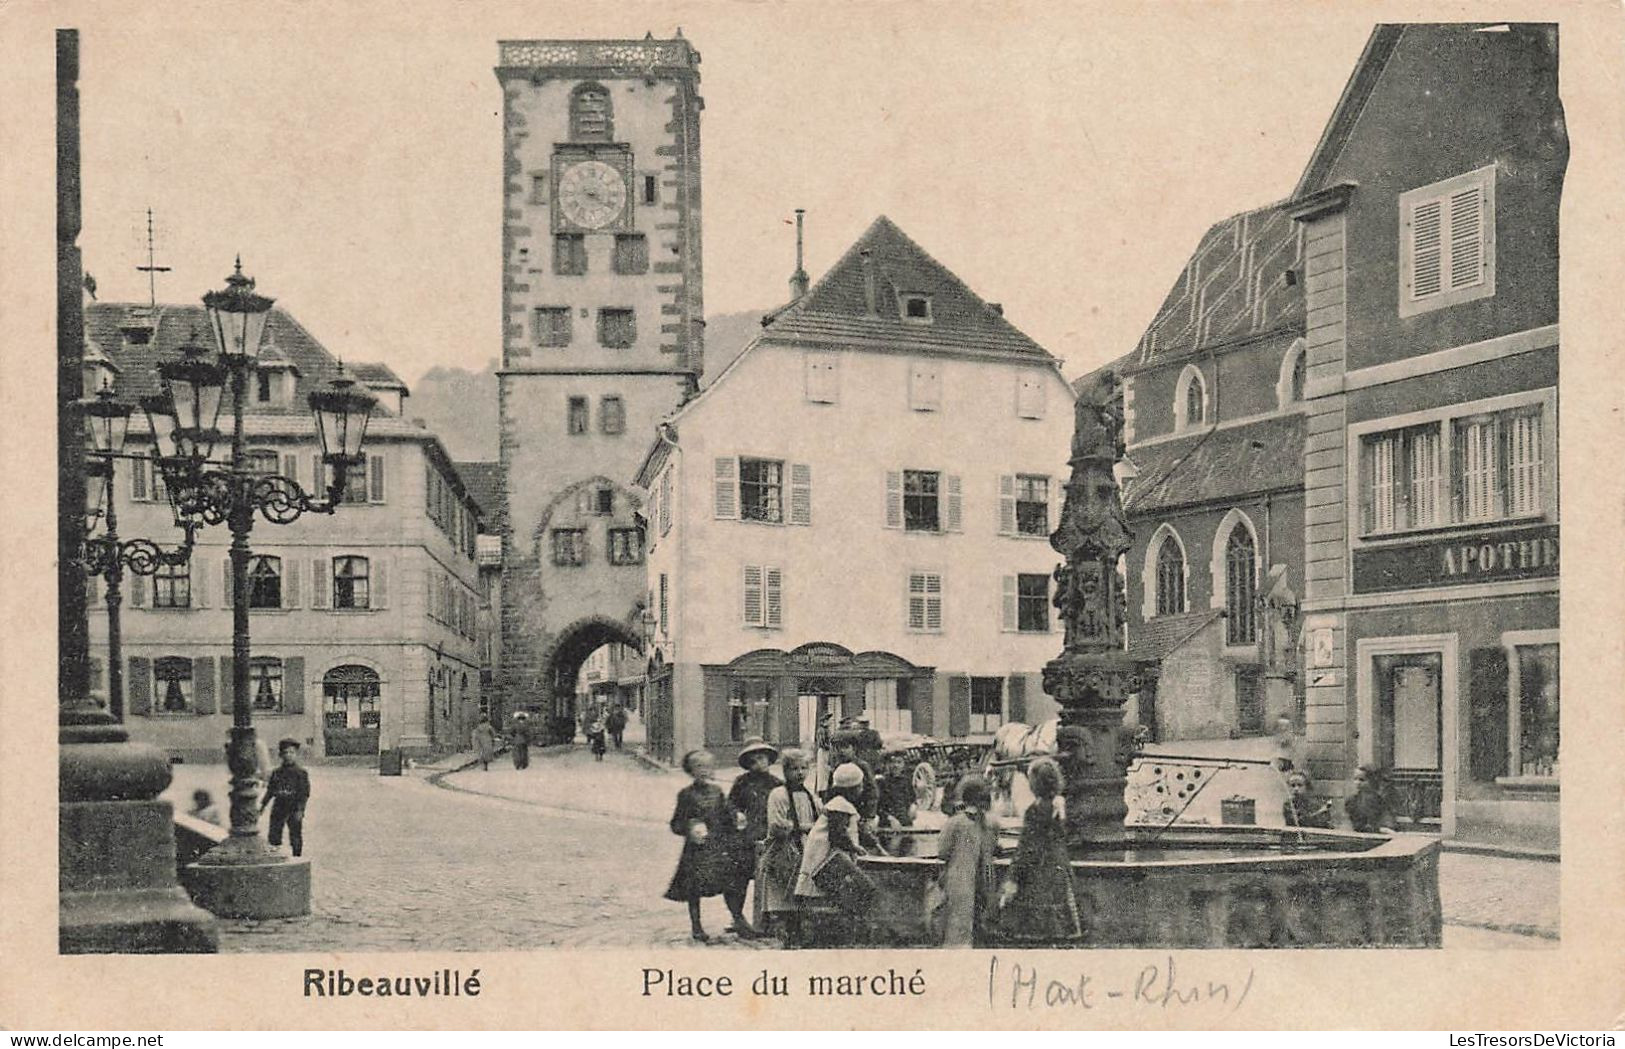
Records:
x=1456, y=683
x=785, y=696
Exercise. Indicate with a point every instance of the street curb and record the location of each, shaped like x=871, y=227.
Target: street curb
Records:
x=650, y=762
x=1506, y=852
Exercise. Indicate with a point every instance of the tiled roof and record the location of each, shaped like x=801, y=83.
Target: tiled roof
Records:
x=1161, y=635
x=375, y=373
x=1217, y=464
x=835, y=310
x=483, y=480
x=171, y=326
x=1234, y=285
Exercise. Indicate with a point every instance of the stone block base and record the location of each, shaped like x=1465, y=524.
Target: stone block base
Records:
x=276, y=889
x=134, y=921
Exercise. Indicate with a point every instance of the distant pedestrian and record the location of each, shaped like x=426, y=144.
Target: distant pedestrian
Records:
x=966, y=848
x=1299, y=809
x=616, y=723
x=1367, y=808
x=485, y=741
x=710, y=829
x=203, y=808
x=595, y=736
x=792, y=810
x=1038, y=904
x=287, y=793
x=519, y=740
x=748, y=795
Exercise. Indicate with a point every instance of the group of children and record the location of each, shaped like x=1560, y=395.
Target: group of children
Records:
x=800, y=850
x=287, y=789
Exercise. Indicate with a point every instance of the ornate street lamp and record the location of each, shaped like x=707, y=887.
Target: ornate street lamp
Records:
x=233, y=494
x=107, y=423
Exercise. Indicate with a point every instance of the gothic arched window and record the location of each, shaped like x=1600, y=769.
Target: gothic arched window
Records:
x=1170, y=578
x=592, y=118
x=1240, y=586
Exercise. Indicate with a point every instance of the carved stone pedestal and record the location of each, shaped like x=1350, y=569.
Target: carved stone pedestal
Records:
x=116, y=848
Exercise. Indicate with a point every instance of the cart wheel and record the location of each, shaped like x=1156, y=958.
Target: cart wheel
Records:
x=925, y=786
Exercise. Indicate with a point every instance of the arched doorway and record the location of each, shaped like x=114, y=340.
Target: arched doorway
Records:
x=561, y=669
x=351, y=710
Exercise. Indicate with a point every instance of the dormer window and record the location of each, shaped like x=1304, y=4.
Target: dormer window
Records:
x=916, y=308
x=262, y=387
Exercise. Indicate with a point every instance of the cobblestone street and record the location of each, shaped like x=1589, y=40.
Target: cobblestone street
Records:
x=576, y=853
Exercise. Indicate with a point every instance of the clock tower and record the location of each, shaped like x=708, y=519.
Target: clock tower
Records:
x=601, y=336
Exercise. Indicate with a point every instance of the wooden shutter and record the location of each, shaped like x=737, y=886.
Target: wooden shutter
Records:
x=227, y=597
x=138, y=591
x=894, y=499
x=375, y=478
x=752, y=595
x=922, y=702
x=1017, y=692
x=93, y=591
x=318, y=477
x=725, y=488
x=290, y=583
x=138, y=685
x=953, y=519
x=293, y=685
x=716, y=708
x=321, y=582
x=665, y=500
x=138, y=480
x=1007, y=504
x=1030, y=397
x=227, y=691
x=1426, y=233
x=1488, y=750
x=379, y=584
x=773, y=589
x=958, y=706
x=1012, y=613
x=1466, y=262
x=203, y=684
x=290, y=467
x=200, y=582
x=800, y=494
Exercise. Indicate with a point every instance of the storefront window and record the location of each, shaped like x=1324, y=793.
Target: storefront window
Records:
x=1537, y=710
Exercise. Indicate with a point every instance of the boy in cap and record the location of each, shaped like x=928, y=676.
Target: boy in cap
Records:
x=286, y=793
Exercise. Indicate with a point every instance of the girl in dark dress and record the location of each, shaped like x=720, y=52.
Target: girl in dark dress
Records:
x=710, y=828
x=1300, y=810
x=749, y=796
x=1039, y=904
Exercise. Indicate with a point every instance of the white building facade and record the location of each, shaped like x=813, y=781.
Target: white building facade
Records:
x=363, y=622
x=854, y=518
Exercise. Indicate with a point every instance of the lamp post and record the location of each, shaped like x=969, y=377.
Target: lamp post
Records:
x=107, y=422
x=187, y=414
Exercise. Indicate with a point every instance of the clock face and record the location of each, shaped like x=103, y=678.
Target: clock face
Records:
x=592, y=194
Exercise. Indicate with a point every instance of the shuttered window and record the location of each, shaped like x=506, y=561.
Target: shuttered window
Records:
x=823, y=377
x=1447, y=242
x=925, y=601
x=1030, y=396
x=763, y=596
x=800, y=494
x=925, y=386
x=665, y=502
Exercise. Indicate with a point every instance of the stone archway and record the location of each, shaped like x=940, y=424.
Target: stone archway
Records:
x=562, y=660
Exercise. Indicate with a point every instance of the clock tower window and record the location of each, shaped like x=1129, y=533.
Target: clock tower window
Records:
x=592, y=118
x=631, y=253
x=569, y=254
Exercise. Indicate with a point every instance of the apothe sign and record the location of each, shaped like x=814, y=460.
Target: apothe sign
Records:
x=1524, y=553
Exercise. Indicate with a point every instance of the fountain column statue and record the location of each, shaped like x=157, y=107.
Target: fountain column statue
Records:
x=1093, y=675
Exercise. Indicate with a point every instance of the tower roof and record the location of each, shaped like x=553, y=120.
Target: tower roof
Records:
x=836, y=310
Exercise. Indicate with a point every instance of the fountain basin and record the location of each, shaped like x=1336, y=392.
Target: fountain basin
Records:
x=1206, y=886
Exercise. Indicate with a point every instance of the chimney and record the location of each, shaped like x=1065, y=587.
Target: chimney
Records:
x=997, y=308
x=798, y=279
x=869, y=281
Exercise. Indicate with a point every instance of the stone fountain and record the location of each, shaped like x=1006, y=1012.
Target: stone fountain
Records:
x=1171, y=885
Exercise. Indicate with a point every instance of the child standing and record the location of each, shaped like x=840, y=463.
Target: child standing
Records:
x=1299, y=810
x=1039, y=904
x=709, y=865
x=965, y=848
x=287, y=793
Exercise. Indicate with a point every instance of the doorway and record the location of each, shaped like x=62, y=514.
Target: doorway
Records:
x=1408, y=707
